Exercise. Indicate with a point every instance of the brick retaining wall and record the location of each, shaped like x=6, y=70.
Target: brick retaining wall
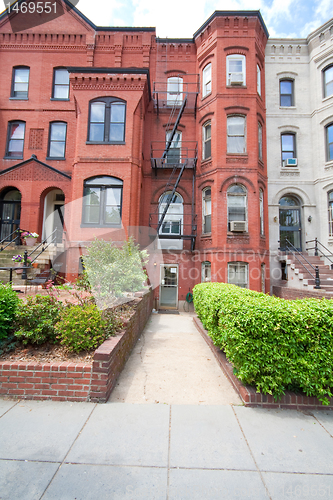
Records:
x=288, y=293
x=64, y=381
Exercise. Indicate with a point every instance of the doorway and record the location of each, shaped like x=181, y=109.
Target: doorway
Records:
x=10, y=213
x=290, y=222
x=54, y=205
x=169, y=286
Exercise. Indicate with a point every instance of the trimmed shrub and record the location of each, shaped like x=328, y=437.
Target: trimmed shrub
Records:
x=35, y=319
x=82, y=327
x=8, y=305
x=274, y=344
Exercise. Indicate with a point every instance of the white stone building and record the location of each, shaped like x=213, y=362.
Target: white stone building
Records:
x=299, y=100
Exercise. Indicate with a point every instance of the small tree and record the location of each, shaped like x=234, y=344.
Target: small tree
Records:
x=115, y=271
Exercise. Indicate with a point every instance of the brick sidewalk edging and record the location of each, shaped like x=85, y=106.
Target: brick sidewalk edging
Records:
x=249, y=395
x=65, y=381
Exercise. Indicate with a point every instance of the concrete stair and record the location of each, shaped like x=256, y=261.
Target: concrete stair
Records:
x=43, y=262
x=303, y=275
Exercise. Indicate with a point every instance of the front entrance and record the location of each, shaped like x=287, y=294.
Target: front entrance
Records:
x=10, y=212
x=290, y=222
x=169, y=286
x=54, y=215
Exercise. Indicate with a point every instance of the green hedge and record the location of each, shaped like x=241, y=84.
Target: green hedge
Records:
x=8, y=305
x=273, y=344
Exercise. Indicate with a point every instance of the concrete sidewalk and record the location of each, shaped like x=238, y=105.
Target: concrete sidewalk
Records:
x=201, y=450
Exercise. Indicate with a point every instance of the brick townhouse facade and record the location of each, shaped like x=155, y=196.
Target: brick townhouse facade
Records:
x=108, y=132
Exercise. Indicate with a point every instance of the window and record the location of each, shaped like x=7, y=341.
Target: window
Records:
x=107, y=121
x=238, y=274
x=174, y=153
x=20, y=83
x=207, y=210
x=288, y=149
x=261, y=211
x=207, y=80
x=237, y=205
x=286, y=93
x=60, y=84
x=172, y=224
x=329, y=142
x=15, y=139
x=236, y=134
x=258, y=79
x=328, y=81
x=57, y=140
x=236, y=70
x=330, y=214
x=206, y=271
x=102, y=201
x=174, y=90
x=260, y=141
x=206, y=140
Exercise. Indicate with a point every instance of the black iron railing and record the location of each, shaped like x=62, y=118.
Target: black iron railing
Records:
x=318, y=250
x=301, y=259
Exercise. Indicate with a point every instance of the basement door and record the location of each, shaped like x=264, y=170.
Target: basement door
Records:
x=169, y=286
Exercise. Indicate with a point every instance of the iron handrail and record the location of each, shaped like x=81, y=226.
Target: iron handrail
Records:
x=18, y=231
x=295, y=251
x=316, y=249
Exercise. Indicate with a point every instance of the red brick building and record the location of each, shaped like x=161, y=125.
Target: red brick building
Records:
x=131, y=131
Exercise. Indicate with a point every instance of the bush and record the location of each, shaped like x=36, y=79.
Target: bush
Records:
x=8, y=305
x=274, y=344
x=35, y=319
x=82, y=327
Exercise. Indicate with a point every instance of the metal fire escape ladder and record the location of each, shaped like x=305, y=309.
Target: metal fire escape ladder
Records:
x=164, y=155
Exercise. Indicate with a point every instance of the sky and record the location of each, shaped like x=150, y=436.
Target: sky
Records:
x=182, y=18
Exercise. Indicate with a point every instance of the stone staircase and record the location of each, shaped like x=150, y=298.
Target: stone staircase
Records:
x=42, y=263
x=303, y=275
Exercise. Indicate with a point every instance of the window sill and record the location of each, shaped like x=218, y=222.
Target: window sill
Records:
x=59, y=99
x=329, y=164
x=206, y=160
x=53, y=158
x=236, y=86
x=13, y=157
x=93, y=226
x=287, y=107
x=206, y=96
x=238, y=233
x=19, y=99
x=206, y=235
x=106, y=142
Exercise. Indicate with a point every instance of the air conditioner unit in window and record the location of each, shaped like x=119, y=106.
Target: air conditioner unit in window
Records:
x=238, y=226
x=236, y=78
x=290, y=162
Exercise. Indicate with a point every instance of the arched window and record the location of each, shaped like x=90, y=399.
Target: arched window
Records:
x=236, y=142
x=57, y=140
x=287, y=93
x=107, y=120
x=20, y=82
x=261, y=211
x=174, y=90
x=102, y=202
x=15, y=139
x=206, y=140
x=328, y=81
x=237, y=208
x=207, y=210
x=330, y=213
x=60, y=88
x=260, y=141
x=236, y=71
x=207, y=80
x=258, y=79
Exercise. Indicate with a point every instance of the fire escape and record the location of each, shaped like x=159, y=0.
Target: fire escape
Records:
x=173, y=156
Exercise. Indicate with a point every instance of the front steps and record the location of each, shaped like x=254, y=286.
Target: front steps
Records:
x=44, y=261
x=299, y=276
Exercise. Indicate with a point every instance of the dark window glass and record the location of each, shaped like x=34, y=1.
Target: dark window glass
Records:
x=102, y=201
x=286, y=93
x=288, y=149
x=107, y=121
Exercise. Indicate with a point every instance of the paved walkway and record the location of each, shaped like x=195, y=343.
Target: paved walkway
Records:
x=166, y=450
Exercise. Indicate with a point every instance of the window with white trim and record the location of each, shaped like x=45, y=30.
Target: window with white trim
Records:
x=258, y=79
x=20, y=82
x=174, y=153
x=206, y=140
x=206, y=271
x=238, y=274
x=330, y=214
x=57, y=140
x=60, y=84
x=261, y=211
x=236, y=142
x=174, y=90
x=236, y=71
x=207, y=210
x=260, y=141
x=15, y=139
x=237, y=205
x=207, y=80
